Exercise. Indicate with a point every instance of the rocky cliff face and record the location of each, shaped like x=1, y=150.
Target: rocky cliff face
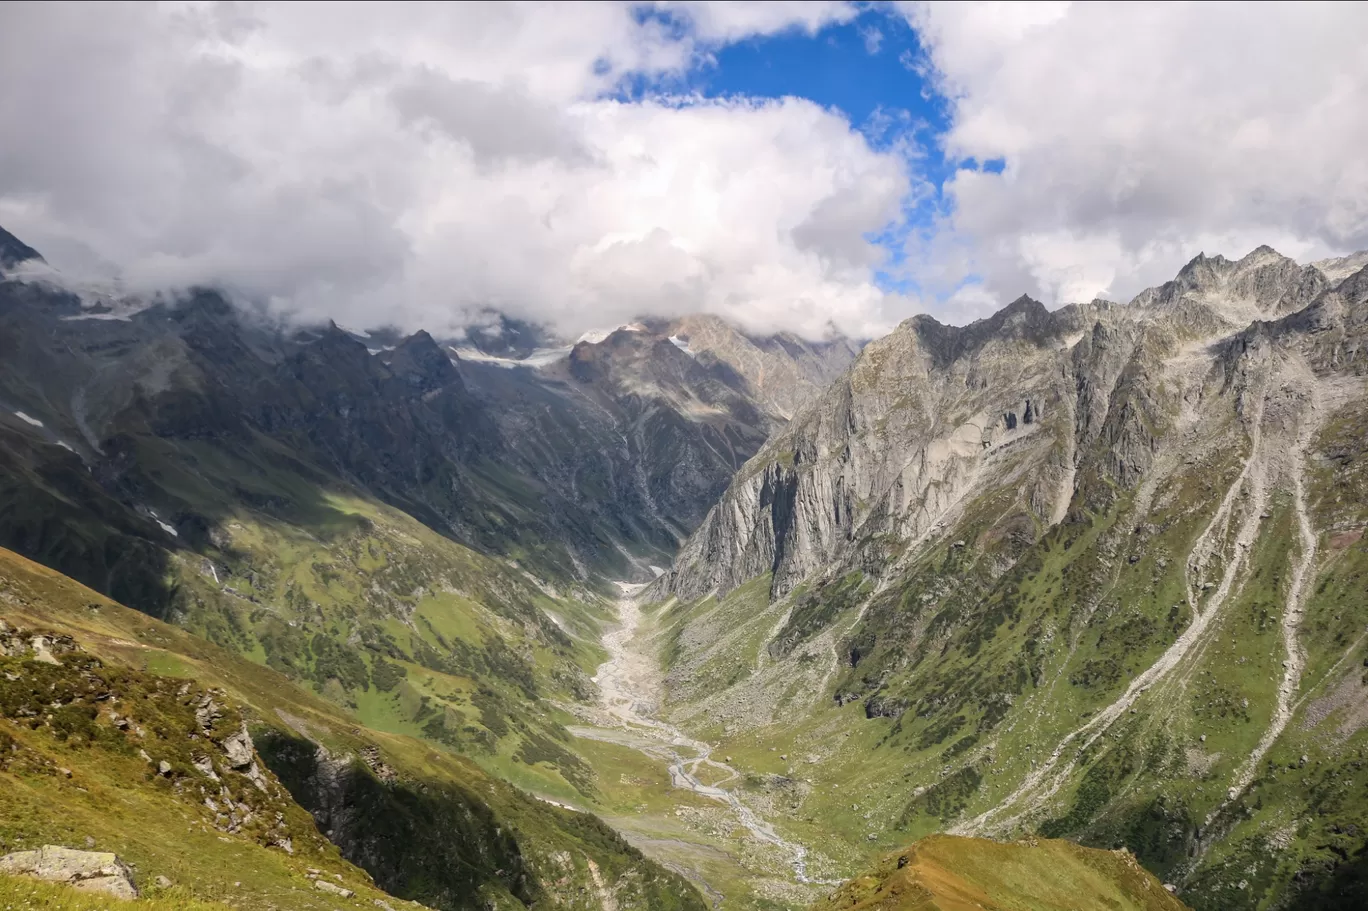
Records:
x=14, y=251
x=933, y=417
x=782, y=372
x=644, y=428
x=889, y=449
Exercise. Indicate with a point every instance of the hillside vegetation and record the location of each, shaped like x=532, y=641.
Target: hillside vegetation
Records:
x=420, y=823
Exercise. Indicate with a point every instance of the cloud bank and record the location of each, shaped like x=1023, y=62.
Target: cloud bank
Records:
x=1136, y=135
x=417, y=164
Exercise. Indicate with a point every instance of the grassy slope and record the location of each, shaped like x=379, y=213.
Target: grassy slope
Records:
x=944, y=873
x=20, y=892
x=365, y=605
x=567, y=854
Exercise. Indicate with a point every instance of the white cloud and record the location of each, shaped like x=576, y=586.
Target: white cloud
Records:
x=872, y=38
x=1136, y=135
x=416, y=163
x=733, y=21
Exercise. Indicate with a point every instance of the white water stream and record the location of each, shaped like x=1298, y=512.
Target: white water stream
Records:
x=627, y=681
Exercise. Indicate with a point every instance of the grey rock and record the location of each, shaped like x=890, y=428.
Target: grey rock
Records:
x=323, y=885
x=239, y=749
x=899, y=439
x=1022, y=405
x=88, y=871
x=205, y=766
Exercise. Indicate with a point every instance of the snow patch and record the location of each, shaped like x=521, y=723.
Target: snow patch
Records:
x=111, y=316
x=166, y=527
x=23, y=417
x=540, y=357
x=683, y=345
x=594, y=336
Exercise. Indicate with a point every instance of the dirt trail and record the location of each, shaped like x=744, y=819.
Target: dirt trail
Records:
x=629, y=682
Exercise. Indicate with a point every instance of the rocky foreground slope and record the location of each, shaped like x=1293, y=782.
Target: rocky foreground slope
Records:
x=1093, y=572
x=216, y=779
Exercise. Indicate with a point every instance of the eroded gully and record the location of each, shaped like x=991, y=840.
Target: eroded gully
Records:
x=628, y=682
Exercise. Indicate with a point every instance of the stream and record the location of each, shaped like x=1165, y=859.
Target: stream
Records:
x=627, y=681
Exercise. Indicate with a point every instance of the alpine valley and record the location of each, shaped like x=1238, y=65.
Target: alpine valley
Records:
x=1060, y=609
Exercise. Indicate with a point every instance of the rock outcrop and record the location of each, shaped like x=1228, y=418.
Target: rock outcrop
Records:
x=894, y=445
x=88, y=871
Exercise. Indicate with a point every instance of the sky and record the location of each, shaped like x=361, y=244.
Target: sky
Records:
x=812, y=167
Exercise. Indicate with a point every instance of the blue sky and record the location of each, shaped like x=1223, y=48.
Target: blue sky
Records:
x=869, y=69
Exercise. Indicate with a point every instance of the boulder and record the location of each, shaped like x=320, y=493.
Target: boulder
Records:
x=323, y=885
x=89, y=871
x=238, y=747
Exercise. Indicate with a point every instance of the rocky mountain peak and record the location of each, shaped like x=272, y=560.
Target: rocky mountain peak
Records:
x=781, y=371
x=920, y=421
x=420, y=362
x=1216, y=291
x=14, y=251
x=1261, y=255
x=1024, y=319
x=1336, y=269
x=1201, y=270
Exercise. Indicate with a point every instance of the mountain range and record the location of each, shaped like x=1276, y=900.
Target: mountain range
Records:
x=1092, y=573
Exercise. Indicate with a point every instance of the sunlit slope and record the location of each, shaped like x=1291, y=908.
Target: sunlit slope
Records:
x=947, y=873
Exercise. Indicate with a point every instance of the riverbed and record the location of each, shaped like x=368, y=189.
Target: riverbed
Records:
x=630, y=687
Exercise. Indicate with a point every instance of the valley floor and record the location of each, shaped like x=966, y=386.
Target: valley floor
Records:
x=678, y=802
